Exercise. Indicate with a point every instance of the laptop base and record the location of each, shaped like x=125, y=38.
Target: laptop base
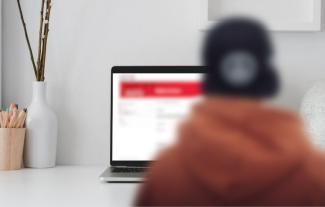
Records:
x=110, y=176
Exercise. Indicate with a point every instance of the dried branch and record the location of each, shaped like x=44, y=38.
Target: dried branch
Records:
x=26, y=36
x=45, y=37
x=40, y=41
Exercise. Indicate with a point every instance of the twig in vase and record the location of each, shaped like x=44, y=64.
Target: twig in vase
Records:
x=40, y=40
x=26, y=36
x=45, y=37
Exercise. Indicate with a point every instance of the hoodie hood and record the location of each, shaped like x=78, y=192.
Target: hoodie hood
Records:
x=236, y=148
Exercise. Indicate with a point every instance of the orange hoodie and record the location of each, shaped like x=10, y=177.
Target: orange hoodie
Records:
x=237, y=152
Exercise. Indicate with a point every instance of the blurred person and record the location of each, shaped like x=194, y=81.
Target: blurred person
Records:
x=235, y=149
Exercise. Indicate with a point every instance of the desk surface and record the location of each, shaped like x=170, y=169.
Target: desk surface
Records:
x=62, y=186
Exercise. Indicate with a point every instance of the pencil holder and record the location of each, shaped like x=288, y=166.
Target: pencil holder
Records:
x=11, y=148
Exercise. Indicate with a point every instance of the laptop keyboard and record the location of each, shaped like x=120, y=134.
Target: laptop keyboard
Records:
x=128, y=170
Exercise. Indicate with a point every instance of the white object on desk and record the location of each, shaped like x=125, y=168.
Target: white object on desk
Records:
x=63, y=186
x=42, y=130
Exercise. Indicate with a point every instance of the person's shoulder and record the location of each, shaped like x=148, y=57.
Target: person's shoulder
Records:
x=315, y=166
x=166, y=160
x=273, y=114
x=314, y=170
x=161, y=175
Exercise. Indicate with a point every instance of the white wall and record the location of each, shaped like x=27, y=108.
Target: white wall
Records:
x=88, y=37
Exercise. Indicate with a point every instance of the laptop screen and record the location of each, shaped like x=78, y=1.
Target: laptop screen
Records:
x=147, y=108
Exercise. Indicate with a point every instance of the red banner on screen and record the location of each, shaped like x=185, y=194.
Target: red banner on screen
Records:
x=160, y=89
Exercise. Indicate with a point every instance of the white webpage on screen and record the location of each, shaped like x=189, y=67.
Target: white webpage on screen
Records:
x=147, y=108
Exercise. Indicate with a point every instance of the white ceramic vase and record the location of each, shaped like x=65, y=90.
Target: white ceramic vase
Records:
x=42, y=130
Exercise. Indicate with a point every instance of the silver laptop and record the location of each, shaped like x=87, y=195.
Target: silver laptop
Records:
x=147, y=104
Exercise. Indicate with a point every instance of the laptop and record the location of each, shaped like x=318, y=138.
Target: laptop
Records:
x=147, y=105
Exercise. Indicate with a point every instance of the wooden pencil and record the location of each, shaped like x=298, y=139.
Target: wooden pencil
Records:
x=22, y=124
x=5, y=116
x=1, y=120
x=20, y=119
x=13, y=119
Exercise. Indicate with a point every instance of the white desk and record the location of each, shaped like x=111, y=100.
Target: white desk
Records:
x=62, y=186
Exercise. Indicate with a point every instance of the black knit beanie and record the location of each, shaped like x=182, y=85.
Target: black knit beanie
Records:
x=238, y=34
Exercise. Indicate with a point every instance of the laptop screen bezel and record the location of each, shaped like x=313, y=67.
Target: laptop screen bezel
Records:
x=142, y=69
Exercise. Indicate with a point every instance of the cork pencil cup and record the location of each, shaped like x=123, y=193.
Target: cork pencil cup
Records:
x=11, y=148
